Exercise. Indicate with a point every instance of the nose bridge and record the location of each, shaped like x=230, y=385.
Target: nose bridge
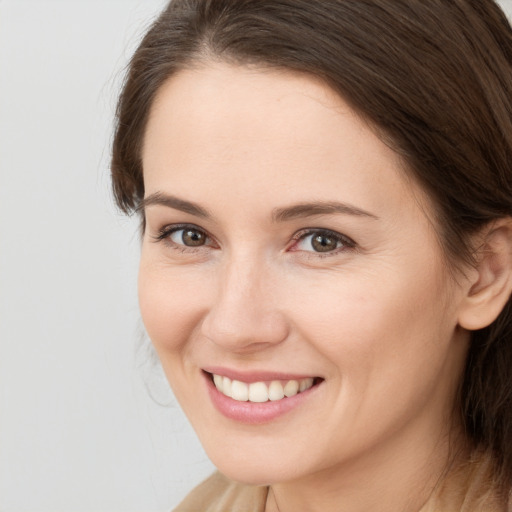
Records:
x=244, y=315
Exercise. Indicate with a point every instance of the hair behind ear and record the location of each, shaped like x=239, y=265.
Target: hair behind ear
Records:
x=487, y=391
x=487, y=385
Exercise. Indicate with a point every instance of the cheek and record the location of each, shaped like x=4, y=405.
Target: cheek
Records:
x=388, y=346
x=376, y=322
x=170, y=305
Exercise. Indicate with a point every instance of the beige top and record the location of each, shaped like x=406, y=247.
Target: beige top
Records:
x=218, y=494
x=467, y=490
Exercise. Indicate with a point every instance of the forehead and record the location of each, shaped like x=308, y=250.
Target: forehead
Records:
x=267, y=134
x=242, y=104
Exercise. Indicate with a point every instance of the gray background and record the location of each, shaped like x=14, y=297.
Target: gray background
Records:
x=81, y=428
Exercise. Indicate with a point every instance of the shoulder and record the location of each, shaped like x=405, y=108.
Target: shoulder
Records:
x=469, y=488
x=219, y=494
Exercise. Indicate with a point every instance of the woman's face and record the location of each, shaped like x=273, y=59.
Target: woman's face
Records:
x=285, y=249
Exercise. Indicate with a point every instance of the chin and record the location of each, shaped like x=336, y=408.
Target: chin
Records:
x=261, y=466
x=253, y=473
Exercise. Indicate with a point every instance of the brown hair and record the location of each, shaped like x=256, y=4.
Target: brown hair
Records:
x=435, y=80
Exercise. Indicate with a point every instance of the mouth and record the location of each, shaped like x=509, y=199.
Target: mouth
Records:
x=260, y=397
x=262, y=391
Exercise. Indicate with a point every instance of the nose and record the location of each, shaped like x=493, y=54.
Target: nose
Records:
x=244, y=316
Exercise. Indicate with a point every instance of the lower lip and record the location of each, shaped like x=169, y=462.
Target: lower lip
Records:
x=252, y=412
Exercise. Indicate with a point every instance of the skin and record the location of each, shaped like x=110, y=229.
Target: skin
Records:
x=377, y=317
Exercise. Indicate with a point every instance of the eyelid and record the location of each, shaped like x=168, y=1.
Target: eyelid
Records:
x=165, y=232
x=347, y=242
x=164, y=235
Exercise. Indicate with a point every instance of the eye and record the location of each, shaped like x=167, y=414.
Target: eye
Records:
x=322, y=241
x=184, y=237
x=190, y=237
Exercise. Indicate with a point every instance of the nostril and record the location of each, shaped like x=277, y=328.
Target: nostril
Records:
x=244, y=326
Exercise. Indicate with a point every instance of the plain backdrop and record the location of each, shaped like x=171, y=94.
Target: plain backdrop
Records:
x=87, y=422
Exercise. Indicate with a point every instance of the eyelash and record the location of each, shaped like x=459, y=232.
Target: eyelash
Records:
x=165, y=233
x=347, y=243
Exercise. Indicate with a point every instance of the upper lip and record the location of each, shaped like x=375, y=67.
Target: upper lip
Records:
x=255, y=375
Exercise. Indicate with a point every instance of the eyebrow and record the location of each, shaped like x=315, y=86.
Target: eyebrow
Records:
x=301, y=210
x=318, y=208
x=158, y=198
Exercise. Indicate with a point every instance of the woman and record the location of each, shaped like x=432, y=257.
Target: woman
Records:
x=325, y=191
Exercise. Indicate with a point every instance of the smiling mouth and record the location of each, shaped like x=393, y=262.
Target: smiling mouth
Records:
x=262, y=391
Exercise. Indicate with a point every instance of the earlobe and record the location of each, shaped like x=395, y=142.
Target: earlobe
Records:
x=491, y=286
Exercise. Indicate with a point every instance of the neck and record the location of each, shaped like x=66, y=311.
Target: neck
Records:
x=398, y=477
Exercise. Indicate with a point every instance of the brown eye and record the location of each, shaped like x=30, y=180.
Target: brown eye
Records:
x=188, y=236
x=324, y=243
x=191, y=237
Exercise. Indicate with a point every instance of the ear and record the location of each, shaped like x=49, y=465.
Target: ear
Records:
x=490, y=284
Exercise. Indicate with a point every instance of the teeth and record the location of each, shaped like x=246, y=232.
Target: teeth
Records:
x=305, y=384
x=291, y=388
x=226, y=386
x=239, y=391
x=218, y=381
x=260, y=391
x=275, y=391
